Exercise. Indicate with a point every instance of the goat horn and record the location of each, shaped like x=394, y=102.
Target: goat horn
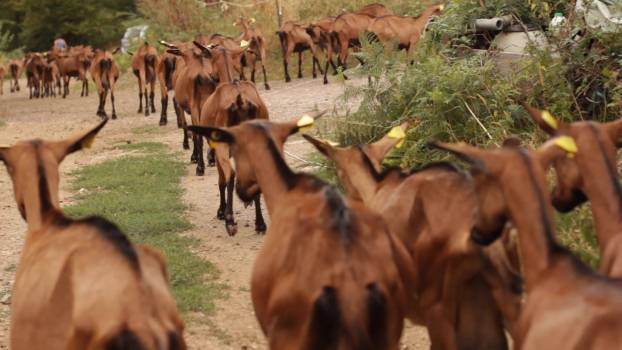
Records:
x=201, y=46
x=169, y=45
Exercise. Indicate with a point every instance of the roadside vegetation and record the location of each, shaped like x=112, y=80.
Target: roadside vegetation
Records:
x=142, y=194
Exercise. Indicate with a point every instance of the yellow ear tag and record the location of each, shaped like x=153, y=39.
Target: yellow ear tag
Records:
x=567, y=144
x=88, y=142
x=244, y=43
x=441, y=7
x=549, y=119
x=235, y=24
x=305, y=122
x=398, y=133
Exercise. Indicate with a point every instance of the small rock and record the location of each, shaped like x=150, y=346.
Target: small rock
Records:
x=6, y=299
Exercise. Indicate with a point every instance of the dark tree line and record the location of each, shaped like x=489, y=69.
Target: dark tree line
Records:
x=33, y=24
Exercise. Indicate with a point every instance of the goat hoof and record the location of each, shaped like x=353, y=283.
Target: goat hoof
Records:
x=260, y=228
x=186, y=146
x=114, y=116
x=325, y=82
x=267, y=87
x=220, y=215
x=211, y=163
x=179, y=126
x=288, y=80
x=194, y=158
x=163, y=121
x=140, y=110
x=200, y=171
x=153, y=110
x=232, y=228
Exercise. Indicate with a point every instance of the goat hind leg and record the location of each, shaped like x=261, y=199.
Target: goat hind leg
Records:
x=260, y=224
x=152, y=98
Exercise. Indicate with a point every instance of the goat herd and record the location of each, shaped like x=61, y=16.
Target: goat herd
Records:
x=471, y=255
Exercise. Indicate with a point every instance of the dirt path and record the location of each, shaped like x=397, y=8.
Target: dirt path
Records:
x=233, y=325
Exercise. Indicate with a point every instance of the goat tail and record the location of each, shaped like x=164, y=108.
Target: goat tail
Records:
x=127, y=339
x=169, y=67
x=150, y=60
x=105, y=66
x=283, y=39
x=124, y=340
x=14, y=69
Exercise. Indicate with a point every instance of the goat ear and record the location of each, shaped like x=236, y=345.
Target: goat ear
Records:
x=214, y=135
x=63, y=148
x=556, y=148
x=206, y=51
x=512, y=142
x=324, y=146
x=472, y=155
x=544, y=119
x=614, y=130
x=394, y=138
x=306, y=121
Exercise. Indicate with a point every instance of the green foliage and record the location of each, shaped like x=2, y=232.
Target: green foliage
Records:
x=34, y=24
x=452, y=93
x=142, y=194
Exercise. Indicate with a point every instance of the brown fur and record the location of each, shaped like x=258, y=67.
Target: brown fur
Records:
x=231, y=104
x=194, y=80
x=329, y=274
x=294, y=38
x=35, y=66
x=105, y=73
x=167, y=65
x=63, y=296
x=320, y=34
x=144, y=63
x=347, y=28
x=74, y=63
x=2, y=74
x=15, y=69
x=257, y=48
x=567, y=306
x=405, y=30
x=233, y=46
x=453, y=273
x=592, y=174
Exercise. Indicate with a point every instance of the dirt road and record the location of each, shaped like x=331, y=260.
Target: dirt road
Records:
x=233, y=325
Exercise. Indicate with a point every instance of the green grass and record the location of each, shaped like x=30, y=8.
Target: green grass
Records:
x=142, y=194
x=146, y=147
x=148, y=130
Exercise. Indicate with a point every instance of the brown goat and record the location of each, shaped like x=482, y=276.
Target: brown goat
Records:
x=345, y=32
x=567, y=306
x=15, y=68
x=105, y=72
x=320, y=34
x=51, y=77
x=329, y=274
x=75, y=63
x=193, y=83
x=406, y=30
x=167, y=64
x=257, y=48
x=433, y=211
x=64, y=297
x=237, y=57
x=232, y=103
x=2, y=74
x=35, y=66
x=294, y=38
x=591, y=174
x=144, y=63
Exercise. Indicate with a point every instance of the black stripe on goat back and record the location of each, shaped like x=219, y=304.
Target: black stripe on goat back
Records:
x=112, y=234
x=377, y=308
x=341, y=217
x=325, y=327
x=125, y=340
